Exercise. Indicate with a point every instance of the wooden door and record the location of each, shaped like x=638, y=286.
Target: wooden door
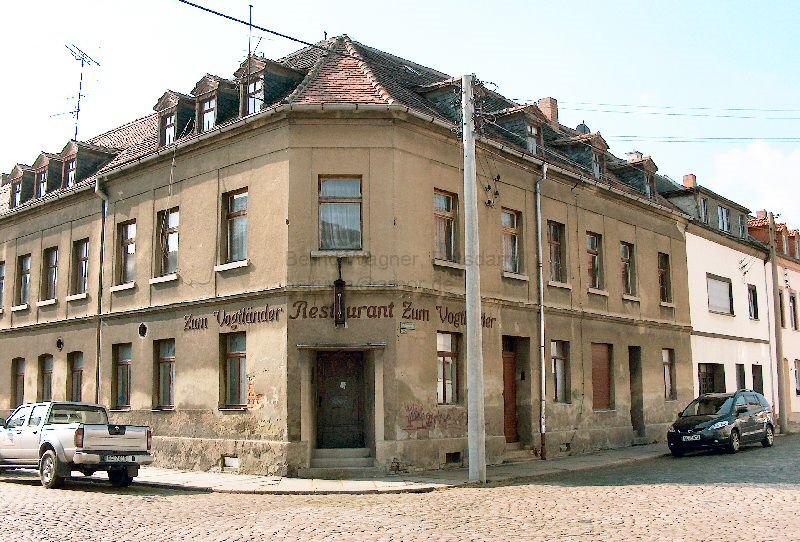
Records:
x=601, y=376
x=340, y=400
x=510, y=396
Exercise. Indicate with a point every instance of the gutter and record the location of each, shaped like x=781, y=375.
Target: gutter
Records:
x=98, y=191
x=540, y=301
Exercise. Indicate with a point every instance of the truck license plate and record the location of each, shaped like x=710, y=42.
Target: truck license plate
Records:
x=120, y=459
x=691, y=437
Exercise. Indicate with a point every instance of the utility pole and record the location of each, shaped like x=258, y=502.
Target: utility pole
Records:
x=783, y=399
x=476, y=426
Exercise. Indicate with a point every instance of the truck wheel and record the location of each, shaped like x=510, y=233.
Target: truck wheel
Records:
x=119, y=478
x=48, y=469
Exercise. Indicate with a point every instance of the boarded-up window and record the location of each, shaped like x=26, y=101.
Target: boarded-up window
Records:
x=720, y=294
x=601, y=377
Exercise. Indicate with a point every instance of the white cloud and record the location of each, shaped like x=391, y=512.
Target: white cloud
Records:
x=760, y=177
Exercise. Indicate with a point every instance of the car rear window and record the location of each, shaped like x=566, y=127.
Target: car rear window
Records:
x=77, y=414
x=709, y=406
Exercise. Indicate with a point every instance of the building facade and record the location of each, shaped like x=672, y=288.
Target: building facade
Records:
x=272, y=268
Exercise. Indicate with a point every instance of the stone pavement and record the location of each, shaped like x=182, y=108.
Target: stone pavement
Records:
x=401, y=483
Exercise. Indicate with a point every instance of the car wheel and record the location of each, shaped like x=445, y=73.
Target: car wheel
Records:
x=48, y=470
x=769, y=437
x=119, y=478
x=676, y=452
x=735, y=442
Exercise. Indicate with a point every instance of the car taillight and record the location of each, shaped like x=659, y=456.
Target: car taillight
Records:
x=149, y=439
x=79, y=437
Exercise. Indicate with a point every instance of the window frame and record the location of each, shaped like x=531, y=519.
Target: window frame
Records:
x=563, y=357
x=169, y=362
x=781, y=308
x=252, y=95
x=230, y=217
x=49, y=286
x=40, y=182
x=15, y=194
x=595, y=260
x=162, y=243
x=46, y=377
x=719, y=279
x=75, y=376
x=345, y=200
x=442, y=356
x=70, y=169
x=558, y=266
x=513, y=233
x=80, y=273
x=668, y=363
x=124, y=257
x=743, y=226
x=664, y=278
x=793, y=322
x=628, y=263
x=119, y=362
x=18, y=379
x=449, y=217
x=23, y=278
x=239, y=358
x=704, y=214
x=2, y=282
x=752, y=301
x=212, y=109
x=724, y=218
x=168, y=127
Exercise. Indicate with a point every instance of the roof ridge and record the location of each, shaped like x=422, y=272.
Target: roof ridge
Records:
x=311, y=75
x=366, y=69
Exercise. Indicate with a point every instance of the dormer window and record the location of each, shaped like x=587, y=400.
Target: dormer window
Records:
x=534, y=138
x=255, y=95
x=69, y=172
x=168, y=129
x=16, y=194
x=724, y=219
x=209, y=112
x=650, y=186
x=41, y=183
x=597, y=164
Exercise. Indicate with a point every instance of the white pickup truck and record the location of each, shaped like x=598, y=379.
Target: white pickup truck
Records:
x=60, y=437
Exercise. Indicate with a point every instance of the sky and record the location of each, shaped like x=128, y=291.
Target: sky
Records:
x=668, y=79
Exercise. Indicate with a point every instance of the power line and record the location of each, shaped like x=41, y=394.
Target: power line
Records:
x=687, y=108
x=673, y=114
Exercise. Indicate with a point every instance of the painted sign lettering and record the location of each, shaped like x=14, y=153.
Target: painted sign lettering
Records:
x=234, y=320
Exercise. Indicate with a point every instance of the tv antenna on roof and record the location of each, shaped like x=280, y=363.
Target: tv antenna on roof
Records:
x=86, y=60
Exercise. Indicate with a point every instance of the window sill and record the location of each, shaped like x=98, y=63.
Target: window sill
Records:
x=19, y=308
x=163, y=409
x=46, y=302
x=556, y=284
x=76, y=297
x=596, y=291
x=721, y=313
x=340, y=254
x=120, y=409
x=633, y=298
x=123, y=287
x=233, y=409
x=667, y=304
x=515, y=276
x=448, y=263
x=164, y=278
x=599, y=410
x=231, y=265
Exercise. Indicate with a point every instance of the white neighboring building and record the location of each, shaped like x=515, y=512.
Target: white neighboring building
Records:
x=729, y=294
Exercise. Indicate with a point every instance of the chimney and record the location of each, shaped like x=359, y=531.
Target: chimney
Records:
x=634, y=156
x=762, y=213
x=690, y=180
x=549, y=106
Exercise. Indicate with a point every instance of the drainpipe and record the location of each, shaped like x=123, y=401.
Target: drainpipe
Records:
x=98, y=190
x=540, y=301
x=783, y=398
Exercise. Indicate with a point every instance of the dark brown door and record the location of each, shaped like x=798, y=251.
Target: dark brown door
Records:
x=601, y=376
x=510, y=396
x=637, y=396
x=340, y=400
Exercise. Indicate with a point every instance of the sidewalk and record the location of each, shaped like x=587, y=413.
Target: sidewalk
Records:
x=401, y=483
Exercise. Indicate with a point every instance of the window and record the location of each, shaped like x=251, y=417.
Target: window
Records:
x=743, y=226
x=168, y=128
x=533, y=138
x=628, y=259
x=704, y=210
x=594, y=253
x=597, y=165
x=444, y=214
x=75, y=376
x=724, y=218
x=340, y=214
x=235, y=370
x=121, y=378
x=664, y=278
x=793, y=311
x=711, y=377
x=18, y=380
x=127, y=252
x=80, y=262
x=668, y=361
x=447, y=368
x=758, y=378
x=797, y=376
x=236, y=225
x=19, y=417
x=510, y=222
x=601, y=377
x=2, y=282
x=165, y=373
x=16, y=194
x=23, y=279
x=69, y=172
x=752, y=301
x=740, y=383
x=37, y=414
x=209, y=111
x=168, y=222
x=780, y=308
x=41, y=183
x=720, y=294
x=50, y=274
x=559, y=353
x=255, y=96
x=45, y=377
x=558, y=263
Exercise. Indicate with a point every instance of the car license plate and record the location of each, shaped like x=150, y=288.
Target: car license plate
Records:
x=688, y=438
x=120, y=459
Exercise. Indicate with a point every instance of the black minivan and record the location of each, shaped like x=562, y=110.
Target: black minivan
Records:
x=722, y=420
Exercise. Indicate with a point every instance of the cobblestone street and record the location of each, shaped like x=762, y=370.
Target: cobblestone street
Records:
x=754, y=495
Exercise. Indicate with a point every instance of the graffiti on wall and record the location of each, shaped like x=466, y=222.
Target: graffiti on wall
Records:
x=418, y=417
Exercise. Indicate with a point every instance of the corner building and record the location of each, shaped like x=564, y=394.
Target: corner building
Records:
x=232, y=220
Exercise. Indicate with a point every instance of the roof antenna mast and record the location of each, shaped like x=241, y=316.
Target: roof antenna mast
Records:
x=86, y=60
